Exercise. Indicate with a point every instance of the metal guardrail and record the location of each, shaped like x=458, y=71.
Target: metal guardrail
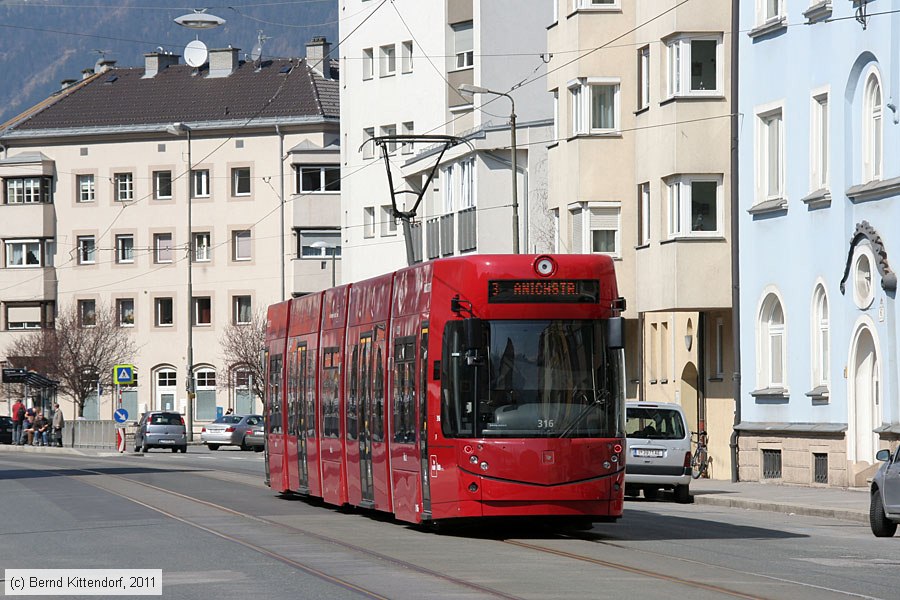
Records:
x=83, y=433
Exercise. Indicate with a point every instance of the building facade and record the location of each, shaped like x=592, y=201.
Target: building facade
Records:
x=134, y=181
x=640, y=169
x=401, y=75
x=818, y=213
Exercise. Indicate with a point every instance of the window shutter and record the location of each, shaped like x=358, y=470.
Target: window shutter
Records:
x=577, y=233
x=604, y=218
x=26, y=314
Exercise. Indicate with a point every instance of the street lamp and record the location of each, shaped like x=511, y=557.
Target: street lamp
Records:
x=475, y=89
x=179, y=129
x=320, y=245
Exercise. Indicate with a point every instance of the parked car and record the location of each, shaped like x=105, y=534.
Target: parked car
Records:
x=256, y=439
x=884, y=500
x=659, y=450
x=6, y=430
x=231, y=430
x=160, y=429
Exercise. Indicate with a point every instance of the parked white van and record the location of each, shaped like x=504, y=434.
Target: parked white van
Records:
x=659, y=450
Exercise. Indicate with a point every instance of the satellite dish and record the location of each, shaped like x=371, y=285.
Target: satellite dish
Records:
x=195, y=53
x=256, y=53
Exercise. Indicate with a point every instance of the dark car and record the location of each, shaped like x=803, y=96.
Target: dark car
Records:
x=884, y=501
x=161, y=429
x=6, y=430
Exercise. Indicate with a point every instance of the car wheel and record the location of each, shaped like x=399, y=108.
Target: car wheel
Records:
x=258, y=449
x=651, y=493
x=881, y=525
x=174, y=450
x=683, y=494
x=184, y=449
x=213, y=447
x=244, y=445
x=144, y=448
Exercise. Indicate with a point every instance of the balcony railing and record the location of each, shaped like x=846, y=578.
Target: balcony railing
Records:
x=442, y=231
x=468, y=230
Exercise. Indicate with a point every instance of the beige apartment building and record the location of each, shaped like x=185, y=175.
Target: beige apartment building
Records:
x=640, y=169
x=102, y=180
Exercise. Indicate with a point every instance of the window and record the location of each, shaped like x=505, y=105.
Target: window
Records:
x=319, y=244
x=164, y=314
x=643, y=78
x=595, y=106
x=367, y=63
x=23, y=253
x=240, y=245
x=162, y=247
x=769, y=10
x=872, y=129
x=770, y=156
x=464, y=44
x=719, y=368
x=240, y=181
x=23, y=316
x=243, y=313
x=390, y=130
x=200, y=183
x=124, y=187
x=820, y=329
x=28, y=190
x=86, y=250
x=85, y=185
x=818, y=155
x=318, y=178
x=202, y=310
x=555, y=115
x=124, y=249
x=388, y=55
x=694, y=67
x=205, y=408
x=388, y=222
x=694, y=207
x=162, y=185
x=409, y=128
x=604, y=230
x=202, y=249
x=125, y=312
x=368, y=149
x=863, y=292
x=406, y=62
x=87, y=313
x=595, y=4
x=770, y=344
x=369, y=222
x=644, y=214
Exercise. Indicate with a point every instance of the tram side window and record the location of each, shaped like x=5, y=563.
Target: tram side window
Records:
x=293, y=412
x=353, y=395
x=378, y=417
x=309, y=384
x=331, y=362
x=404, y=405
x=458, y=384
x=423, y=387
x=300, y=397
x=274, y=395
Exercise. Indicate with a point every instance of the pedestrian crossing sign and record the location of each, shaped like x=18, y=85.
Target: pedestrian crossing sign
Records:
x=123, y=374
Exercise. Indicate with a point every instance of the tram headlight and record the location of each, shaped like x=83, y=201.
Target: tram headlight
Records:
x=614, y=458
x=473, y=459
x=484, y=466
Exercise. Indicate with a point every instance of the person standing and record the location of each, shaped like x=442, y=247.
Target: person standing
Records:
x=18, y=417
x=58, y=423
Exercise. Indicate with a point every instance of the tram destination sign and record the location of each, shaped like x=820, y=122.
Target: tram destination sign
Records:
x=550, y=291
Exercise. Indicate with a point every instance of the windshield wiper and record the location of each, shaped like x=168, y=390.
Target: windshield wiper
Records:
x=599, y=399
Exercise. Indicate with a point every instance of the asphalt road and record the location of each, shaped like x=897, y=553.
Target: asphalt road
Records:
x=216, y=531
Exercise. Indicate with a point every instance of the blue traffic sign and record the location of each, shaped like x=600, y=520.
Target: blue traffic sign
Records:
x=123, y=374
x=121, y=415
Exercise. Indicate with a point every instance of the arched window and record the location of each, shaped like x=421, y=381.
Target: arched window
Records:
x=166, y=389
x=872, y=128
x=820, y=328
x=205, y=406
x=771, y=343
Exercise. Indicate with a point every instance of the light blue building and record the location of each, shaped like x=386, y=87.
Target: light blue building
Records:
x=819, y=210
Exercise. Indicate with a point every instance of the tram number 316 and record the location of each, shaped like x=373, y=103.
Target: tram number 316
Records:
x=545, y=423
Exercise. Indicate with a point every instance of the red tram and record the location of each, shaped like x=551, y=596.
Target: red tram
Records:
x=476, y=386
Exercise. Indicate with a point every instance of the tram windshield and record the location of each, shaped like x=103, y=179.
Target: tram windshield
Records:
x=548, y=378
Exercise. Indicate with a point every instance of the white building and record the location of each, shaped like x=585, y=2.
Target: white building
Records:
x=98, y=195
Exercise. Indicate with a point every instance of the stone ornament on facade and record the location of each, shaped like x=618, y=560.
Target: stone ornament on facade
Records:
x=864, y=231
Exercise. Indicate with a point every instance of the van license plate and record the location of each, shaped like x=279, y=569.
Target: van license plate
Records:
x=645, y=453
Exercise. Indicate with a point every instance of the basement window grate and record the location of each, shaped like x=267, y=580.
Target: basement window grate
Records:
x=820, y=467
x=771, y=462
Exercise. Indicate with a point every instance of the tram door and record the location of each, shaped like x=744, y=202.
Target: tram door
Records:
x=274, y=431
x=296, y=411
x=364, y=418
x=423, y=421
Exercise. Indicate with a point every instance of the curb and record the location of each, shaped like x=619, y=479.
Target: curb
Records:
x=857, y=516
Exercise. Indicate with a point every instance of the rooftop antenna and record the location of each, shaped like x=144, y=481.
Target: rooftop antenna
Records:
x=101, y=58
x=256, y=53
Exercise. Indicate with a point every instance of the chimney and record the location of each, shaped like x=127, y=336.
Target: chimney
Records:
x=66, y=83
x=104, y=65
x=223, y=61
x=85, y=73
x=154, y=62
x=317, y=56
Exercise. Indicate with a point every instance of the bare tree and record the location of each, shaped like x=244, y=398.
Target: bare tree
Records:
x=243, y=348
x=79, y=352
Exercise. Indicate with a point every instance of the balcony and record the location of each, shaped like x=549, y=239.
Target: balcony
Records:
x=28, y=284
x=442, y=233
x=28, y=220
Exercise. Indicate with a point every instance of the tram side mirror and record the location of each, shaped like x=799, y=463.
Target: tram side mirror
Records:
x=474, y=328
x=615, y=334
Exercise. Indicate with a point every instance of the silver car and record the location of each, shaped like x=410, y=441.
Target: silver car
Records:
x=160, y=429
x=884, y=501
x=231, y=430
x=659, y=450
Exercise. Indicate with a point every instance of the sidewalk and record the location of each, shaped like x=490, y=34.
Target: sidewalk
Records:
x=834, y=503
